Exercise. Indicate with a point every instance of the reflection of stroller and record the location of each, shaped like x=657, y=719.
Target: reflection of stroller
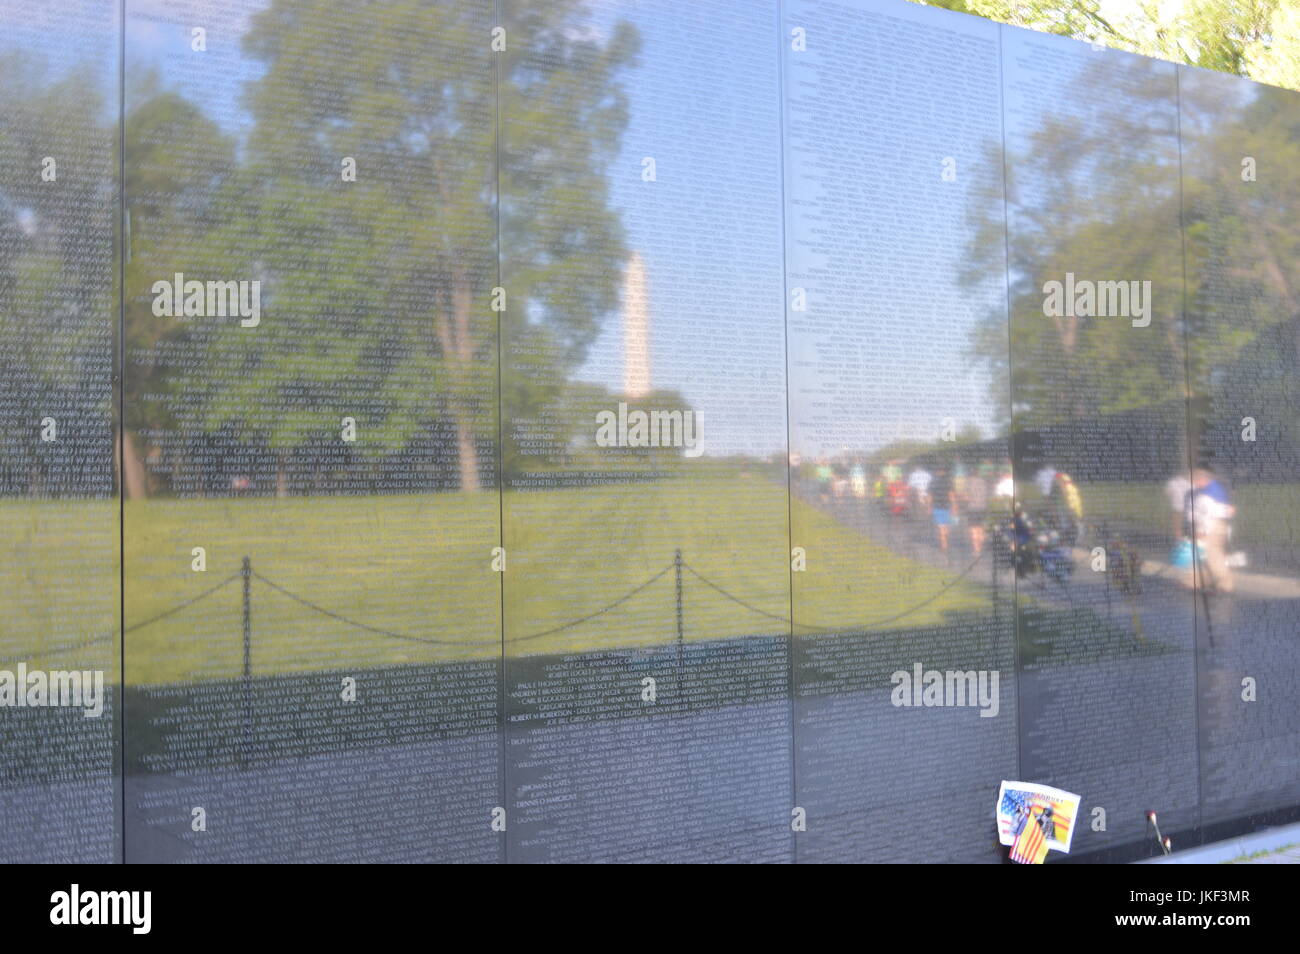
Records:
x=1010, y=542
x=1030, y=546
x=1053, y=538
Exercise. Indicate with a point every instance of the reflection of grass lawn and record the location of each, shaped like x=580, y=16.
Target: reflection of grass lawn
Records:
x=1261, y=509
x=421, y=565
x=59, y=574
x=853, y=581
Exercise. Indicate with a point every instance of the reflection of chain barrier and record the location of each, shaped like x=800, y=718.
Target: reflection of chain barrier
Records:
x=600, y=612
x=359, y=625
x=678, y=564
x=106, y=638
x=180, y=606
x=838, y=629
x=316, y=607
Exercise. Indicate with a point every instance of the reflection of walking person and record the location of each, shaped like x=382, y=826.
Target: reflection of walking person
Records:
x=1212, y=513
x=974, y=502
x=1067, y=507
x=919, y=483
x=944, y=500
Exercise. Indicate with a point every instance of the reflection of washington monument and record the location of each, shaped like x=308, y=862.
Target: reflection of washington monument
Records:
x=636, y=330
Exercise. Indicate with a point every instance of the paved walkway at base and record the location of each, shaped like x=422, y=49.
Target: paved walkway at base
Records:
x=1284, y=856
x=1273, y=846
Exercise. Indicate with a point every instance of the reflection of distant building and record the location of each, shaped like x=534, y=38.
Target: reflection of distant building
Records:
x=636, y=330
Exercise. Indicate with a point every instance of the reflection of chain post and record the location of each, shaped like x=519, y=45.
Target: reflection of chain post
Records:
x=247, y=573
x=991, y=543
x=1103, y=533
x=682, y=703
x=677, y=572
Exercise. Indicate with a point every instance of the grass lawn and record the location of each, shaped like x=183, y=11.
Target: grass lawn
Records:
x=421, y=566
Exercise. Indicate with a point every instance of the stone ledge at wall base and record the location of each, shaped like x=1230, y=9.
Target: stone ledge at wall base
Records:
x=1270, y=841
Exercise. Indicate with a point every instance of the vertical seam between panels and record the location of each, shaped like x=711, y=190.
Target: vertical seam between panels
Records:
x=1011, y=391
x=789, y=476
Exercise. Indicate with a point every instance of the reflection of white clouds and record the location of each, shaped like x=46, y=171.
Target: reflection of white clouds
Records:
x=26, y=222
x=586, y=33
x=147, y=33
x=158, y=35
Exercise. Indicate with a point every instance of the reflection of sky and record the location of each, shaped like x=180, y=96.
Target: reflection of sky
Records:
x=158, y=35
x=884, y=93
x=704, y=103
x=67, y=35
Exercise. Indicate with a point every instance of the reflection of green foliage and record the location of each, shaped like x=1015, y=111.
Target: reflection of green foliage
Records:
x=899, y=450
x=1122, y=188
x=1111, y=212
x=935, y=449
x=1243, y=249
x=175, y=157
x=560, y=435
x=1119, y=196
x=57, y=287
x=377, y=294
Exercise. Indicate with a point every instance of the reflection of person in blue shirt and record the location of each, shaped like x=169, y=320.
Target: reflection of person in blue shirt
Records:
x=943, y=499
x=1212, y=514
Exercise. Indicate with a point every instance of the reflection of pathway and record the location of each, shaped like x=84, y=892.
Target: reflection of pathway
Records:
x=1283, y=856
x=1123, y=730
x=1278, y=845
x=1163, y=592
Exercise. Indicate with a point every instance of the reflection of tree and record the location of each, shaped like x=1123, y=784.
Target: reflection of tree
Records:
x=56, y=277
x=1243, y=249
x=378, y=293
x=1104, y=198
x=1096, y=195
x=177, y=160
